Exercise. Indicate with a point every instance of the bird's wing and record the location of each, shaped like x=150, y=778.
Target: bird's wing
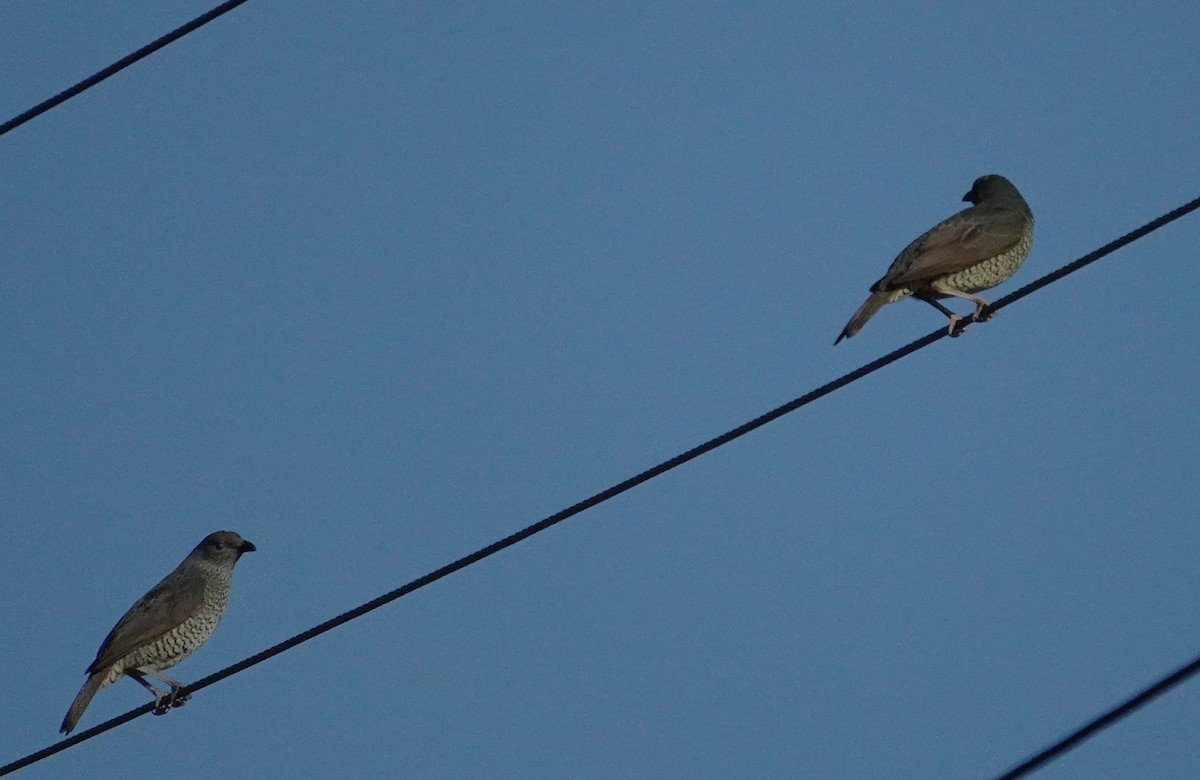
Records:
x=164, y=608
x=969, y=237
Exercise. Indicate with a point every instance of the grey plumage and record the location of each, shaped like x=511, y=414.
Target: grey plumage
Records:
x=976, y=249
x=177, y=616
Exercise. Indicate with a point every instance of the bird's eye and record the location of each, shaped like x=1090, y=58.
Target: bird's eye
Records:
x=219, y=545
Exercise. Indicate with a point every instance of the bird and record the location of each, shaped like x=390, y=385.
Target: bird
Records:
x=163, y=627
x=974, y=250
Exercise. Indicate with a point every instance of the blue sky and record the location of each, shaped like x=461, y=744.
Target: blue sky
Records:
x=376, y=285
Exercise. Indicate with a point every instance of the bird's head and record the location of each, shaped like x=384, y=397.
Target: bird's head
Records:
x=222, y=546
x=990, y=186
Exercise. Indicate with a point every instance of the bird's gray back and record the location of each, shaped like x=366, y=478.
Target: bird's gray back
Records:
x=955, y=244
x=181, y=595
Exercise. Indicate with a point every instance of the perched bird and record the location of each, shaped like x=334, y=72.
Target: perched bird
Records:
x=977, y=248
x=178, y=615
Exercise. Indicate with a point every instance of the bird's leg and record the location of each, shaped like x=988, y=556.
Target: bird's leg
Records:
x=177, y=699
x=980, y=303
x=162, y=699
x=924, y=296
x=955, y=319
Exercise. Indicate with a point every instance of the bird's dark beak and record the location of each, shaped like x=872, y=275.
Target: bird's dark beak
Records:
x=967, y=197
x=247, y=547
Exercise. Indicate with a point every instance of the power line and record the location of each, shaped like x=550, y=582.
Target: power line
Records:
x=1089, y=729
x=622, y=487
x=120, y=65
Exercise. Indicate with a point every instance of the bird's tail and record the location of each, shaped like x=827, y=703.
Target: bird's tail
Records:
x=82, y=700
x=864, y=313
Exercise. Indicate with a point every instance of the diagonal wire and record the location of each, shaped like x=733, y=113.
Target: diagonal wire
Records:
x=120, y=65
x=620, y=488
x=1097, y=724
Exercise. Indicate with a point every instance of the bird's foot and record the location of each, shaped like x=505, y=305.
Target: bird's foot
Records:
x=166, y=701
x=981, y=315
x=179, y=698
x=162, y=703
x=958, y=325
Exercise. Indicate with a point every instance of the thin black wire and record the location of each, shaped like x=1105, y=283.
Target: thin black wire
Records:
x=1125, y=708
x=622, y=487
x=120, y=65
